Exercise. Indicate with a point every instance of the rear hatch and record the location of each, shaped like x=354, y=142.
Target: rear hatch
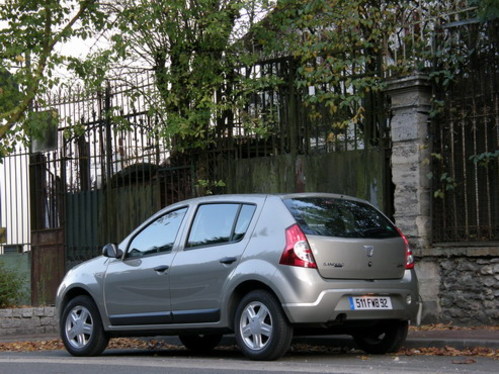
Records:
x=350, y=239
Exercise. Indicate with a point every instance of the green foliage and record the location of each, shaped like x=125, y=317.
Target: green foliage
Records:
x=485, y=158
x=208, y=186
x=29, y=33
x=488, y=9
x=12, y=287
x=339, y=49
x=447, y=184
x=444, y=182
x=191, y=51
x=342, y=50
x=9, y=91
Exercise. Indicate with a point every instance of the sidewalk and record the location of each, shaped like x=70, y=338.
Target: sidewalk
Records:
x=456, y=338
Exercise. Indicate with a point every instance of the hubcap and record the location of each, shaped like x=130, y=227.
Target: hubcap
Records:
x=79, y=327
x=256, y=325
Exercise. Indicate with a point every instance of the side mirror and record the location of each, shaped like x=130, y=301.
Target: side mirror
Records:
x=111, y=250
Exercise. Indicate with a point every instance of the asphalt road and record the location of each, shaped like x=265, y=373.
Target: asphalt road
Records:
x=231, y=361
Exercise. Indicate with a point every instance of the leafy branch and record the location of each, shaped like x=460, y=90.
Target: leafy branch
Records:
x=34, y=29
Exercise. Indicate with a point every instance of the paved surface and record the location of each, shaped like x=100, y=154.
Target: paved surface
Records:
x=456, y=338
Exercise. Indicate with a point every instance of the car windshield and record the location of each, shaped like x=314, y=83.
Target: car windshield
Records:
x=340, y=218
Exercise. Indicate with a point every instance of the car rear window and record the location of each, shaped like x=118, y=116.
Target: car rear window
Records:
x=340, y=218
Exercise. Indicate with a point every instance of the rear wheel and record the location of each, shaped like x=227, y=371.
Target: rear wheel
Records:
x=261, y=328
x=81, y=328
x=386, y=337
x=200, y=343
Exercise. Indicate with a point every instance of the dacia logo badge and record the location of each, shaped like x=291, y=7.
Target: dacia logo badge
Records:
x=369, y=250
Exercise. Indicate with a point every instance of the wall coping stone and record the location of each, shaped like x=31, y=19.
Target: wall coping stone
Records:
x=455, y=251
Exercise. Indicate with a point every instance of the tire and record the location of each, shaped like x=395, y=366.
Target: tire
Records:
x=387, y=337
x=200, y=343
x=261, y=328
x=81, y=328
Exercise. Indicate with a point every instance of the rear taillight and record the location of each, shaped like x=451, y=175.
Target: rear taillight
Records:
x=297, y=251
x=409, y=258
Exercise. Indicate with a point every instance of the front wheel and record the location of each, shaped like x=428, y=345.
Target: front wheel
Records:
x=81, y=328
x=386, y=337
x=261, y=328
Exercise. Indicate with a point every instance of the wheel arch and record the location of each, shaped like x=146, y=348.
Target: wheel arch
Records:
x=240, y=291
x=71, y=294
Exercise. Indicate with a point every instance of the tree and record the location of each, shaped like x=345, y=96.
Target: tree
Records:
x=30, y=31
x=190, y=48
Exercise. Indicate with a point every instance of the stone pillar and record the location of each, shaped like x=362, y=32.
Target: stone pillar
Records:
x=410, y=168
x=410, y=105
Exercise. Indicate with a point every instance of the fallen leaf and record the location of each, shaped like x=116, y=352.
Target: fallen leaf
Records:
x=464, y=362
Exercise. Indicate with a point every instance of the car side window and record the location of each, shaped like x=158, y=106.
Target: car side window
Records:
x=219, y=223
x=158, y=237
x=243, y=221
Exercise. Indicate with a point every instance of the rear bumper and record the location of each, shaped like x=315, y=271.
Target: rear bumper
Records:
x=331, y=302
x=334, y=305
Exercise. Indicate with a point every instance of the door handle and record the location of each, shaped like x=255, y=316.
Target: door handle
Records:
x=228, y=260
x=161, y=268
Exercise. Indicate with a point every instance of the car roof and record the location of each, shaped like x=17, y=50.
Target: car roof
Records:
x=254, y=197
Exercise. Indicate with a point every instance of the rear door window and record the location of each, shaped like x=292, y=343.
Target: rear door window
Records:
x=220, y=223
x=340, y=218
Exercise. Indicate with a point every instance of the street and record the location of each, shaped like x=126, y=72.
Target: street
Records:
x=231, y=361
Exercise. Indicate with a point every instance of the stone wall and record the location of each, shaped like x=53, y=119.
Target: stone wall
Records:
x=28, y=321
x=469, y=292
x=459, y=289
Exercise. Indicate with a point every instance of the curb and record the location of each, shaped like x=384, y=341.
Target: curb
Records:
x=455, y=343
x=411, y=342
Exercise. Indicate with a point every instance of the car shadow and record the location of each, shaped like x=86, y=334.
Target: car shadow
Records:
x=301, y=346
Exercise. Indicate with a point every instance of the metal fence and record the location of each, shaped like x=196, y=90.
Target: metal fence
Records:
x=282, y=124
x=466, y=139
x=15, y=225
x=107, y=171
x=422, y=25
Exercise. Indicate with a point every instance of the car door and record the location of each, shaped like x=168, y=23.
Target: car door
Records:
x=136, y=289
x=214, y=245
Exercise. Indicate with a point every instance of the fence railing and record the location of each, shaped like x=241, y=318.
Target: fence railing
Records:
x=412, y=47
x=466, y=140
x=15, y=225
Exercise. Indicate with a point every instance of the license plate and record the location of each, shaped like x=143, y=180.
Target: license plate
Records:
x=370, y=303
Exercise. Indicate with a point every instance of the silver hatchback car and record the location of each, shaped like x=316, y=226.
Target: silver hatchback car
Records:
x=261, y=267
